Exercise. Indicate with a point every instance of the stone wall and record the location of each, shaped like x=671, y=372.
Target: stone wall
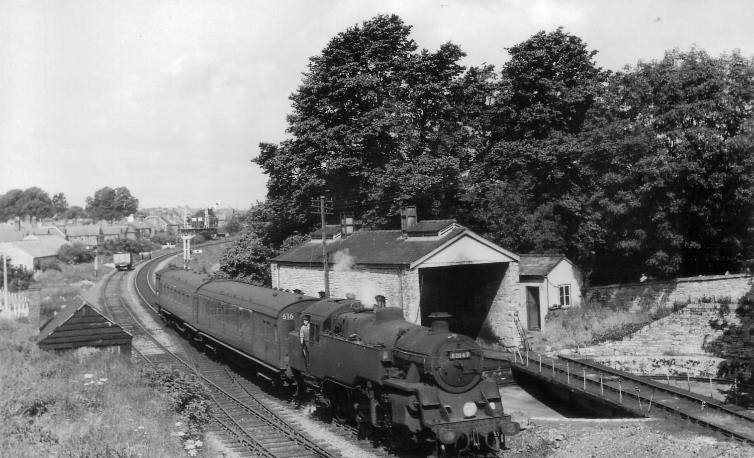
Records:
x=653, y=294
x=695, y=340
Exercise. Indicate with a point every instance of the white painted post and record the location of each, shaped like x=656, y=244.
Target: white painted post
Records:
x=602, y=388
x=540, y=363
x=568, y=373
x=5, y=281
x=710, y=385
x=583, y=371
x=620, y=392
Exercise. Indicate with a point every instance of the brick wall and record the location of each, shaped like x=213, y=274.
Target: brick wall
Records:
x=653, y=294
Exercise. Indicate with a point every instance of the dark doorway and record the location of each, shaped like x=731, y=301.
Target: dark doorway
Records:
x=532, y=308
x=466, y=292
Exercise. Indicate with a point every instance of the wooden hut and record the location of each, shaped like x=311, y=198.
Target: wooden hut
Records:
x=83, y=326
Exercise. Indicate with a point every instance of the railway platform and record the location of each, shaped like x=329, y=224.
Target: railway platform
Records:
x=616, y=393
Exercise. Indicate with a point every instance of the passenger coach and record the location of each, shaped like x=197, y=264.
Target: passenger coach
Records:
x=249, y=320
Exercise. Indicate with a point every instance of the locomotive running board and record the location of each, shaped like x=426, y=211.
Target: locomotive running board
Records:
x=244, y=354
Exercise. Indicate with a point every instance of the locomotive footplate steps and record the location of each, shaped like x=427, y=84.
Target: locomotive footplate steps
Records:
x=587, y=383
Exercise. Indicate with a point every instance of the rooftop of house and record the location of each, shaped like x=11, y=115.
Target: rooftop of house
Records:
x=538, y=264
x=40, y=246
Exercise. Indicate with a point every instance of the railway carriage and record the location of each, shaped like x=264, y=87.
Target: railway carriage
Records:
x=248, y=320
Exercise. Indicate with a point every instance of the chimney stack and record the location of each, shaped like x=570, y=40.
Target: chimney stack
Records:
x=408, y=218
x=439, y=321
x=346, y=224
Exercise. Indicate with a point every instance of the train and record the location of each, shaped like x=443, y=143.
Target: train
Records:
x=123, y=261
x=415, y=386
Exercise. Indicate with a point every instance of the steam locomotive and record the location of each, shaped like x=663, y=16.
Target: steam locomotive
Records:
x=416, y=385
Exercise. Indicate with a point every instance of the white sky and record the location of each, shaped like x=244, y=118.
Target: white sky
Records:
x=171, y=98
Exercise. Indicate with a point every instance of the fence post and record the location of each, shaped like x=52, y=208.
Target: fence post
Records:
x=638, y=396
x=583, y=371
x=602, y=388
x=568, y=372
x=540, y=363
x=620, y=392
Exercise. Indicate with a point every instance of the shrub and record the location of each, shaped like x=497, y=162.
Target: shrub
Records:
x=75, y=254
x=127, y=245
x=19, y=278
x=164, y=238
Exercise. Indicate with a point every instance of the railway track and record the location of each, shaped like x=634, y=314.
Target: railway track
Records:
x=640, y=395
x=246, y=425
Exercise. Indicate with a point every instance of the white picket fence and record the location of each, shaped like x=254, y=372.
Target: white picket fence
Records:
x=17, y=307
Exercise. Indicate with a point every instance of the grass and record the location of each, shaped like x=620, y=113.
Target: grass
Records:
x=89, y=403
x=590, y=325
x=61, y=287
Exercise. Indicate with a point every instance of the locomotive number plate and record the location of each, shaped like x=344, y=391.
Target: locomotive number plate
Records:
x=459, y=355
x=287, y=316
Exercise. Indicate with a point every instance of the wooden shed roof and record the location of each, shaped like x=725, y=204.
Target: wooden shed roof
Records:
x=81, y=326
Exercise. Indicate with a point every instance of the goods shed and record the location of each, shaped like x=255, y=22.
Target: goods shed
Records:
x=33, y=252
x=428, y=266
x=83, y=326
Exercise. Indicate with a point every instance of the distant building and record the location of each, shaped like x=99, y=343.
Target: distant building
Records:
x=87, y=235
x=33, y=252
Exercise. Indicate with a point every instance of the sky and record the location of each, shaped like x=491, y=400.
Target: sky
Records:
x=171, y=98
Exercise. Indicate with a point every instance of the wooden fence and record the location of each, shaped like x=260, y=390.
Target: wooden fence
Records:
x=17, y=307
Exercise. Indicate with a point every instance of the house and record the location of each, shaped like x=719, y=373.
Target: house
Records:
x=548, y=282
x=83, y=326
x=87, y=235
x=425, y=267
x=48, y=230
x=113, y=232
x=10, y=233
x=139, y=230
x=157, y=223
x=33, y=252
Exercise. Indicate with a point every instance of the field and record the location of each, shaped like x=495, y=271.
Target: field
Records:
x=89, y=402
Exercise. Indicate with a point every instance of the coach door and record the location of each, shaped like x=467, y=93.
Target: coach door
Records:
x=532, y=308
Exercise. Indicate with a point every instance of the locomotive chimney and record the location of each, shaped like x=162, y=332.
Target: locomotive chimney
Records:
x=439, y=321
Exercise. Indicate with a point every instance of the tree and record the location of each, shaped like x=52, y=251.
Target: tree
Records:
x=374, y=125
x=59, y=203
x=526, y=188
x=111, y=204
x=685, y=187
x=75, y=254
x=30, y=202
x=248, y=260
x=75, y=212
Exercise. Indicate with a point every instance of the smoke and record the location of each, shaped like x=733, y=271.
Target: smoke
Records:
x=366, y=290
x=343, y=261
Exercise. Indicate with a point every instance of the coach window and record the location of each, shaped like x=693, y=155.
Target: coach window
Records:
x=565, y=295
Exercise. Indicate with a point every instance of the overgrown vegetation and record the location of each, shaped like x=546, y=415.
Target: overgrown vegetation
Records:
x=89, y=403
x=593, y=324
x=19, y=277
x=61, y=287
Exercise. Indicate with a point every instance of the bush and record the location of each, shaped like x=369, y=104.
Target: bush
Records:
x=111, y=247
x=75, y=254
x=19, y=278
x=166, y=239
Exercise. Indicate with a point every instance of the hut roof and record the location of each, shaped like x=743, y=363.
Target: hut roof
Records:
x=81, y=326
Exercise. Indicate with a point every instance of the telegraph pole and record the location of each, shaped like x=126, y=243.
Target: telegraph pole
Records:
x=325, y=208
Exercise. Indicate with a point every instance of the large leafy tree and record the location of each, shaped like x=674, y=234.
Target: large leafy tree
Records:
x=59, y=203
x=248, y=260
x=375, y=124
x=526, y=189
x=678, y=152
x=111, y=204
x=30, y=202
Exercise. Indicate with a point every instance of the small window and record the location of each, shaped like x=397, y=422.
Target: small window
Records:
x=565, y=295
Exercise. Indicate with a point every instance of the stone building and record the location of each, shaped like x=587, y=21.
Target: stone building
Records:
x=548, y=282
x=428, y=266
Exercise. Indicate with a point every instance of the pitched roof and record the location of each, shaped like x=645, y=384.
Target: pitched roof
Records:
x=538, y=264
x=9, y=233
x=330, y=230
x=429, y=227
x=92, y=326
x=40, y=246
x=114, y=230
x=387, y=247
x=81, y=231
